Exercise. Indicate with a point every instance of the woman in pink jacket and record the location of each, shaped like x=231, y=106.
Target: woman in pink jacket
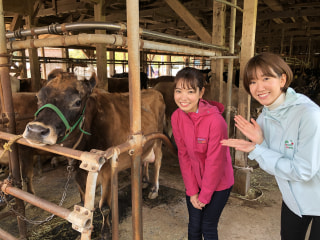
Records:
x=206, y=166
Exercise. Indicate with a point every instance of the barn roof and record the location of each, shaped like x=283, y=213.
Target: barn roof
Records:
x=279, y=22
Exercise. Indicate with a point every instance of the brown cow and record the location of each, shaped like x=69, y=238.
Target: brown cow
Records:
x=105, y=117
x=153, y=82
x=25, y=105
x=120, y=82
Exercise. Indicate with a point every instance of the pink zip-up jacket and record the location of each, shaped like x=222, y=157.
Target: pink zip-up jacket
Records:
x=205, y=164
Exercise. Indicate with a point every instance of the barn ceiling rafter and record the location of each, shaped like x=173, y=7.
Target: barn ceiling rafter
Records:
x=282, y=26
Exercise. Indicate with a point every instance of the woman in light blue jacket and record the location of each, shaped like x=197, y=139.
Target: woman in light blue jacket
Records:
x=285, y=141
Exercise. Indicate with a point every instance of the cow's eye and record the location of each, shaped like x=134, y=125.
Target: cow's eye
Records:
x=78, y=103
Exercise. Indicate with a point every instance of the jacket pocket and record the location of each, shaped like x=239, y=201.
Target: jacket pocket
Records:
x=201, y=145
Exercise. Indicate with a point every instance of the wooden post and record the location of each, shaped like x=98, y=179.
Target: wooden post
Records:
x=101, y=50
x=290, y=49
x=143, y=61
x=282, y=41
x=34, y=61
x=168, y=66
x=8, y=110
x=242, y=175
x=112, y=65
x=233, y=13
x=218, y=38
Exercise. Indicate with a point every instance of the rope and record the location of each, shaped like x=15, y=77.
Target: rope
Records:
x=7, y=145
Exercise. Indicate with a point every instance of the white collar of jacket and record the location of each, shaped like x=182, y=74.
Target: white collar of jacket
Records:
x=277, y=102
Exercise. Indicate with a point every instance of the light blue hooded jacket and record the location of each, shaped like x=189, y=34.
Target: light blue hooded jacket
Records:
x=291, y=151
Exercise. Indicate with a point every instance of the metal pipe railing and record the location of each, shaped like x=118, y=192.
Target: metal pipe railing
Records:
x=75, y=217
x=87, y=157
x=65, y=27
x=114, y=40
x=91, y=161
x=7, y=236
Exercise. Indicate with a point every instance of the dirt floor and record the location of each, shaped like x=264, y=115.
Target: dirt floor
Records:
x=164, y=218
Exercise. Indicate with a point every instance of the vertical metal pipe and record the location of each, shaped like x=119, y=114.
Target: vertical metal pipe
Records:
x=230, y=61
x=89, y=200
x=135, y=113
x=114, y=196
x=7, y=107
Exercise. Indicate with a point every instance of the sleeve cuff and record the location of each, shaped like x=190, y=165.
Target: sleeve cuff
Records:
x=258, y=150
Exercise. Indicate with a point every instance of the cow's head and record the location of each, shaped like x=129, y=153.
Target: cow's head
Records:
x=61, y=105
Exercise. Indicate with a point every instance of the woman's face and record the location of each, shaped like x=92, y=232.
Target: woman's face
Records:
x=266, y=89
x=187, y=99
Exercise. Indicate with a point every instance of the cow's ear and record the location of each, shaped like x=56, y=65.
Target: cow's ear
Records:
x=54, y=73
x=92, y=81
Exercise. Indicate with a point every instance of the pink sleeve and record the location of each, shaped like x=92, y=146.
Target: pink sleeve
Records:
x=188, y=176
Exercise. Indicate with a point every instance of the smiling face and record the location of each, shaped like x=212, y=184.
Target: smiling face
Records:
x=266, y=88
x=186, y=97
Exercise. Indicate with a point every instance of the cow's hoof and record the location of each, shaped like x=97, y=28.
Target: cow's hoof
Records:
x=145, y=182
x=145, y=185
x=153, y=195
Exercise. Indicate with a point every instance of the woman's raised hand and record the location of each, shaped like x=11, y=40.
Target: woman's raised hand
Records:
x=250, y=130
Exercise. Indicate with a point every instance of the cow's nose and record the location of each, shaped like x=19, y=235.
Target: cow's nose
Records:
x=39, y=130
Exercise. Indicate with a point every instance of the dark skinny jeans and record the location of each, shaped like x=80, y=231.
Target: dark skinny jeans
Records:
x=205, y=222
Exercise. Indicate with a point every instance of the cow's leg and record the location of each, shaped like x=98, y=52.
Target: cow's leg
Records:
x=145, y=176
x=26, y=165
x=149, y=158
x=157, y=165
x=105, y=201
x=81, y=180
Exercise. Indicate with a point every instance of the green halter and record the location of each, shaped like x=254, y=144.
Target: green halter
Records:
x=64, y=120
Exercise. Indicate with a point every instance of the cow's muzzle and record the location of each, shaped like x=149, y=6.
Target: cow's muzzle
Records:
x=39, y=134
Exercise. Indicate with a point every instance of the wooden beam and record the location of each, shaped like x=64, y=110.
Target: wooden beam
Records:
x=247, y=51
x=298, y=25
x=34, y=61
x=305, y=18
x=62, y=7
x=101, y=50
x=190, y=20
x=289, y=13
x=306, y=32
x=274, y=5
x=16, y=22
x=218, y=88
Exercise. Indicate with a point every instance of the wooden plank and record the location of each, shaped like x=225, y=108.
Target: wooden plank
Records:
x=274, y=5
x=101, y=50
x=18, y=6
x=62, y=7
x=218, y=38
x=247, y=51
x=190, y=20
x=289, y=13
x=301, y=25
x=16, y=22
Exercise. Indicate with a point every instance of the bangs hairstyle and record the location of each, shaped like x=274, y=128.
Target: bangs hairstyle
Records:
x=190, y=77
x=271, y=65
